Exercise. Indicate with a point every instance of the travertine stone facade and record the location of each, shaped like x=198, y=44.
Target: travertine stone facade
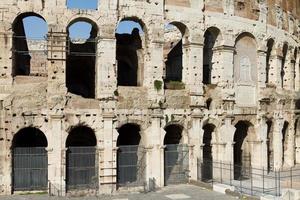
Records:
x=251, y=99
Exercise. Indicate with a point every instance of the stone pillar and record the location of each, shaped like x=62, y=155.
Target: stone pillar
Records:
x=195, y=141
x=297, y=73
x=225, y=61
x=289, y=153
x=261, y=68
x=56, y=156
x=154, y=141
x=275, y=69
x=277, y=143
x=56, y=66
x=108, y=171
x=297, y=149
x=106, y=77
x=6, y=56
x=289, y=71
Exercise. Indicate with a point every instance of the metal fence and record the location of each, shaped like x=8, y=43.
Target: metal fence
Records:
x=176, y=164
x=82, y=168
x=30, y=168
x=131, y=166
x=251, y=181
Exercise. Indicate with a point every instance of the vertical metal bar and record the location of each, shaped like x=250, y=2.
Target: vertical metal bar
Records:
x=221, y=163
x=276, y=187
x=251, y=181
x=263, y=177
x=230, y=173
x=291, y=177
x=279, y=183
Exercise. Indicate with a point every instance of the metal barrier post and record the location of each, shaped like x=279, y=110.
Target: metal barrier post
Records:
x=251, y=181
x=230, y=173
x=263, y=180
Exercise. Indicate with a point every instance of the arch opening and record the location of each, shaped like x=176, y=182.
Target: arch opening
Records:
x=81, y=156
x=270, y=46
x=131, y=157
x=285, y=135
x=176, y=156
x=207, y=168
x=30, y=160
x=29, y=45
x=210, y=39
x=81, y=57
x=130, y=52
x=283, y=64
x=242, y=150
x=175, y=38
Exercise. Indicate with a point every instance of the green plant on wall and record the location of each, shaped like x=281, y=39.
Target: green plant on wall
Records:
x=158, y=85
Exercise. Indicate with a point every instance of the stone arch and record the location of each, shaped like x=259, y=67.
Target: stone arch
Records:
x=81, y=61
x=212, y=39
x=81, y=158
x=270, y=52
x=243, y=136
x=29, y=160
x=283, y=69
x=130, y=52
x=285, y=135
x=207, y=151
x=23, y=52
x=176, y=36
x=131, y=157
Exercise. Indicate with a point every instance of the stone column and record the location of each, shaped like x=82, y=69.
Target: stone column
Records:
x=6, y=56
x=56, y=156
x=225, y=61
x=108, y=171
x=106, y=78
x=289, y=71
x=154, y=141
x=275, y=69
x=277, y=143
x=195, y=140
x=297, y=149
x=297, y=73
x=261, y=68
x=289, y=154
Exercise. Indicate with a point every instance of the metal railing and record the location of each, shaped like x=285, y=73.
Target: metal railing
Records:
x=249, y=180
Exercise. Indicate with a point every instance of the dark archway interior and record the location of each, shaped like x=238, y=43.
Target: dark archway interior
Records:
x=282, y=72
x=174, y=63
x=209, y=43
x=81, y=64
x=284, y=140
x=270, y=45
x=241, y=158
x=270, y=145
x=128, y=46
x=207, y=152
x=21, y=58
x=129, y=134
x=173, y=134
x=297, y=104
x=81, y=136
x=30, y=137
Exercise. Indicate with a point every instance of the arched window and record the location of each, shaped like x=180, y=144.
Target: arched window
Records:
x=30, y=160
x=210, y=41
x=130, y=37
x=283, y=64
x=175, y=38
x=81, y=58
x=29, y=45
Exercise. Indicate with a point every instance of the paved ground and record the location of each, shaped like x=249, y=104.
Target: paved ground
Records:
x=178, y=192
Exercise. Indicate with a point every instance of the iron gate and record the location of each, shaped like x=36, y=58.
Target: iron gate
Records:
x=30, y=168
x=131, y=166
x=176, y=164
x=82, y=168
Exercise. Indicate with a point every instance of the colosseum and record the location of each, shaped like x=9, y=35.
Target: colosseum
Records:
x=202, y=86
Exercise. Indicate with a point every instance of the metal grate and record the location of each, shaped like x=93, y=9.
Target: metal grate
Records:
x=82, y=168
x=30, y=169
x=131, y=166
x=176, y=164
